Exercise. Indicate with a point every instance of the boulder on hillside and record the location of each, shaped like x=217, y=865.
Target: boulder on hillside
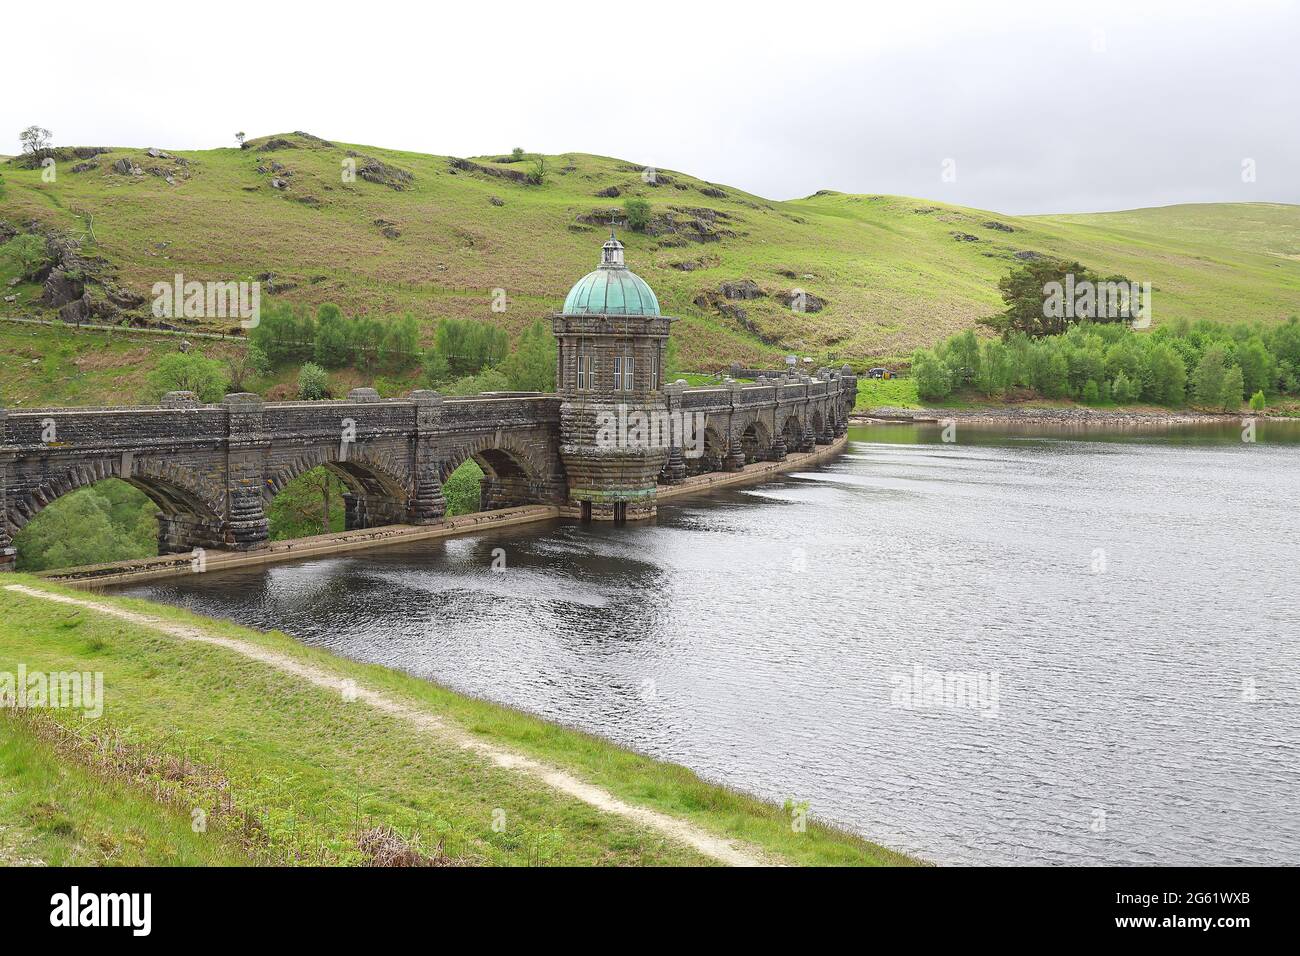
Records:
x=741, y=289
x=62, y=288
x=799, y=300
x=373, y=171
x=610, y=192
x=999, y=226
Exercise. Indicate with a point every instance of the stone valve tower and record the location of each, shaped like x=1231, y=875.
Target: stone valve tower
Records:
x=612, y=345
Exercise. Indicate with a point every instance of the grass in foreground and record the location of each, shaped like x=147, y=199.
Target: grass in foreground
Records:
x=57, y=811
x=311, y=773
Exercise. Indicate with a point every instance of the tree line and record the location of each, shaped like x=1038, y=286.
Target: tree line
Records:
x=1099, y=359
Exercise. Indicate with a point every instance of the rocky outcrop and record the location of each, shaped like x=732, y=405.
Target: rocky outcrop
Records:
x=964, y=237
x=999, y=226
x=271, y=145
x=467, y=166
x=382, y=174
x=690, y=223
x=799, y=300
x=610, y=192
x=62, y=287
x=741, y=289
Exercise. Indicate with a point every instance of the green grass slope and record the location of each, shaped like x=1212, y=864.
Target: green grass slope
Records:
x=895, y=272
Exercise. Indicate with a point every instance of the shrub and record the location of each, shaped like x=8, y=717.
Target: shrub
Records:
x=933, y=380
x=1258, y=401
x=180, y=372
x=637, y=212
x=313, y=382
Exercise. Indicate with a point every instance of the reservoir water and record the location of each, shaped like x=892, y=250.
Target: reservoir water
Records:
x=1024, y=646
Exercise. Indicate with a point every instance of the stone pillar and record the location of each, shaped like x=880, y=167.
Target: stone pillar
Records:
x=675, y=468
x=428, y=506
x=809, y=438
x=735, y=459
x=8, y=554
x=825, y=436
x=361, y=510
x=179, y=533
x=246, y=524
x=778, y=447
x=180, y=400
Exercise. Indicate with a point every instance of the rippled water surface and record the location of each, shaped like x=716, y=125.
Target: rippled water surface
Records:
x=1135, y=596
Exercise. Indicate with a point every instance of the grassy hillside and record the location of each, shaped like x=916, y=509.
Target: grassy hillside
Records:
x=894, y=272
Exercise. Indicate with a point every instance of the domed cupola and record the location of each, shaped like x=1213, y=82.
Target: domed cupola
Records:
x=613, y=289
x=612, y=344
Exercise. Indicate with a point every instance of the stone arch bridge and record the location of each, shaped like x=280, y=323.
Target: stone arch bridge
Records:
x=212, y=469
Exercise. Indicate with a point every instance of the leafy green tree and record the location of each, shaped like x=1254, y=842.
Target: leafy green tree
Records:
x=29, y=253
x=310, y=504
x=110, y=521
x=461, y=489
x=181, y=372
x=1258, y=402
x=334, y=342
x=489, y=380
x=313, y=382
x=400, y=348
x=637, y=211
x=436, y=372
x=933, y=378
x=1025, y=292
x=1230, y=400
x=1091, y=393
x=1124, y=390
x=245, y=364
x=470, y=346
x=994, y=369
x=1166, y=381
x=517, y=154
x=531, y=366
x=1258, y=366
x=1208, y=379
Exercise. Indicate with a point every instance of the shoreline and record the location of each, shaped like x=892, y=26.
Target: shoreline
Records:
x=571, y=797
x=1068, y=416
x=137, y=570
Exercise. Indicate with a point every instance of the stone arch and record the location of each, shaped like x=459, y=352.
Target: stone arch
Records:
x=190, y=510
x=378, y=492
x=818, y=423
x=791, y=429
x=755, y=440
x=717, y=445
x=362, y=469
x=512, y=473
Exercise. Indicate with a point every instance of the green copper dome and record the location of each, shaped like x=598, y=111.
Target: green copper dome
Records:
x=613, y=289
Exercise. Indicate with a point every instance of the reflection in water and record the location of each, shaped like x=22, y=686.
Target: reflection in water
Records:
x=1133, y=593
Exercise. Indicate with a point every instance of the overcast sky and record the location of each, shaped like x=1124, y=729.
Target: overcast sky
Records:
x=1038, y=106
